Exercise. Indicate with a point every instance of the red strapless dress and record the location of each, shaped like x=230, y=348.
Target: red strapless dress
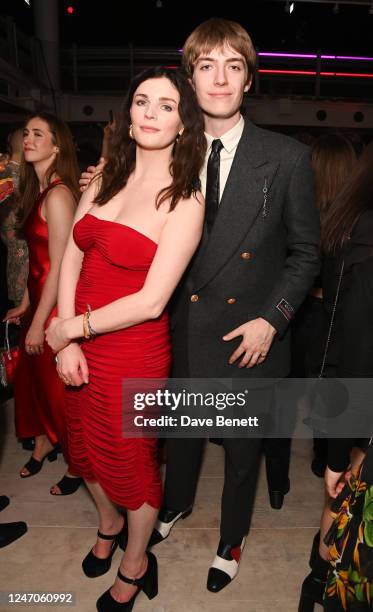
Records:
x=39, y=393
x=115, y=264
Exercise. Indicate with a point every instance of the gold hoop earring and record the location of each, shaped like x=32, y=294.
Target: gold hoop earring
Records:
x=130, y=132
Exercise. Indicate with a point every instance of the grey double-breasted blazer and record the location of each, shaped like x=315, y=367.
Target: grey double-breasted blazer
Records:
x=259, y=261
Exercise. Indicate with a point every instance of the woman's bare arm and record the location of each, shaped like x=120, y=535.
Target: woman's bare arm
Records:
x=72, y=260
x=71, y=364
x=59, y=212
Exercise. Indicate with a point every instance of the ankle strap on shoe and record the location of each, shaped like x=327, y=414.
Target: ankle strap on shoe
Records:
x=136, y=581
x=103, y=536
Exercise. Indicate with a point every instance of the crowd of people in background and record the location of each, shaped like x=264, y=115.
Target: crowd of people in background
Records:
x=139, y=227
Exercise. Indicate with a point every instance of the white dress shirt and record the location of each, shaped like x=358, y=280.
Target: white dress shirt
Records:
x=230, y=142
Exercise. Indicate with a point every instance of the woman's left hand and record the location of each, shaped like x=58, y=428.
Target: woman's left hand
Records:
x=34, y=341
x=333, y=483
x=56, y=335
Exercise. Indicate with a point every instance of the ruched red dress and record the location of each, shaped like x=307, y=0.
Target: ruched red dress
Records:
x=38, y=391
x=115, y=264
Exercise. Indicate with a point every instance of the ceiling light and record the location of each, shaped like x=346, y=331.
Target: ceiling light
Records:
x=289, y=7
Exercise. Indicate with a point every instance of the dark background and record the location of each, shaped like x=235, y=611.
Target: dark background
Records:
x=119, y=23
x=140, y=22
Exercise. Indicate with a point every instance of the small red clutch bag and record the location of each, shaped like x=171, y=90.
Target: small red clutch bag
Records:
x=9, y=360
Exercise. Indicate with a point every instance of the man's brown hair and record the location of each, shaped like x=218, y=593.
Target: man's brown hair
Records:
x=214, y=33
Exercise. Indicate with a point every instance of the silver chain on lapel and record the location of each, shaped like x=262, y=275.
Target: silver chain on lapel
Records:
x=265, y=191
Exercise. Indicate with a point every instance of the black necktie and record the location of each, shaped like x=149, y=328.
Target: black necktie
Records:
x=212, y=183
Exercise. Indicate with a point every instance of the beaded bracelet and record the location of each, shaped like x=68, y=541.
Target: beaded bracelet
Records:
x=91, y=331
x=88, y=331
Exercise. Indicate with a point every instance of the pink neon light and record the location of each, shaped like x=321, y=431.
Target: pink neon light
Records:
x=296, y=55
x=306, y=72
x=314, y=56
x=360, y=59
x=314, y=73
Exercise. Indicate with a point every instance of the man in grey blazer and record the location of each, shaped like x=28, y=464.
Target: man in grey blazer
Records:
x=256, y=262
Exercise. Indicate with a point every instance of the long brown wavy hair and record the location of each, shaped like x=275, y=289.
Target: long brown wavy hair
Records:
x=64, y=166
x=188, y=152
x=333, y=159
x=355, y=198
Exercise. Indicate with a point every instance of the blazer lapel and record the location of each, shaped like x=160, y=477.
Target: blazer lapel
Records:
x=242, y=201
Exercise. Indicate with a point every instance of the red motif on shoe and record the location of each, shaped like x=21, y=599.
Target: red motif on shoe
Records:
x=236, y=553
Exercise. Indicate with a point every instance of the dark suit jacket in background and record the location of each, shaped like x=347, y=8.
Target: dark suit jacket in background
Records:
x=355, y=359
x=282, y=240
x=355, y=251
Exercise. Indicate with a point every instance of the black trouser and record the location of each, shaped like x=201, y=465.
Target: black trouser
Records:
x=242, y=457
x=277, y=454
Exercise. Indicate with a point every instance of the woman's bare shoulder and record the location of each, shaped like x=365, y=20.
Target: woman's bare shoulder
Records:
x=59, y=192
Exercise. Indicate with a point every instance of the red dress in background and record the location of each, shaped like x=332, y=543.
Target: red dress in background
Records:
x=116, y=261
x=38, y=391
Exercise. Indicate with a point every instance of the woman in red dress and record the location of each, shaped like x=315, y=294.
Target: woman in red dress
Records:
x=48, y=193
x=135, y=232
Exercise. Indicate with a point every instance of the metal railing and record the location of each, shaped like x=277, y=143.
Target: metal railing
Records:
x=313, y=75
